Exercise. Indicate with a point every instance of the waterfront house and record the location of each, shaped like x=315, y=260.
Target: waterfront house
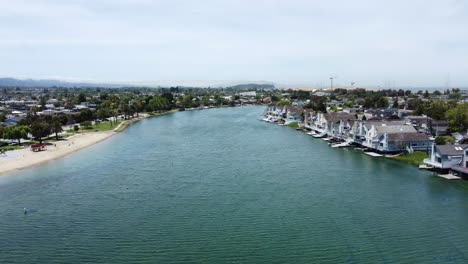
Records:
x=461, y=169
x=400, y=142
x=292, y=114
x=338, y=125
x=274, y=110
x=391, y=136
x=309, y=118
x=361, y=130
x=444, y=157
x=320, y=123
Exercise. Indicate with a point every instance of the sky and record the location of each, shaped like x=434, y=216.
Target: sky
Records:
x=290, y=42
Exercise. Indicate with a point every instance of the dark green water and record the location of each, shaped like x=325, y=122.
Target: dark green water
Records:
x=218, y=186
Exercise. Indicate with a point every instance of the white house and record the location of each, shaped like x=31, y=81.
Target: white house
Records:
x=462, y=168
x=444, y=157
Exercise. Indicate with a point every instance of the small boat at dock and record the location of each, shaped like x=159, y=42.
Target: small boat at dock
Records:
x=341, y=145
x=321, y=135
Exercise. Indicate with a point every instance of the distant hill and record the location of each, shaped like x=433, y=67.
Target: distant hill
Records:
x=13, y=82
x=252, y=86
x=44, y=83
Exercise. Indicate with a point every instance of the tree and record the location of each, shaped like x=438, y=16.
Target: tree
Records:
x=43, y=101
x=283, y=103
x=382, y=102
x=81, y=98
x=348, y=104
x=86, y=114
x=187, y=101
x=455, y=96
x=275, y=98
x=443, y=140
x=321, y=107
x=2, y=118
x=412, y=104
x=56, y=126
x=76, y=128
x=436, y=109
x=426, y=94
x=16, y=133
x=169, y=97
x=457, y=117
x=40, y=129
x=86, y=124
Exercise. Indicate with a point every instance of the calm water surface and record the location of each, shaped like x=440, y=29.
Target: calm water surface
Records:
x=218, y=186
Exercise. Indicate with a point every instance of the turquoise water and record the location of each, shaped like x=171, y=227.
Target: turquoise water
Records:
x=218, y=186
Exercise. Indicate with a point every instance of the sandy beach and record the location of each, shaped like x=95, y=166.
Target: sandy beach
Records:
x=24, y=158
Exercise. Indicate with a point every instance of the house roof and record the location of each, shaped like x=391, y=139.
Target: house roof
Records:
x=458, y=136
x=335, y=117
x=451, y=150
x=379, y=123
x=439, y=123
x=396, y=129
x=408, y=137
x=293, y=110
x=418, y=117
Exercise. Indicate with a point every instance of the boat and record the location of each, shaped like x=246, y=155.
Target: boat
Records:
x=321, y=135
x=311, y=133
x=341, y=145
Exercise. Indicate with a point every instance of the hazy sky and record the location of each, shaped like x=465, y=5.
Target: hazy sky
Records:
x=297, y=42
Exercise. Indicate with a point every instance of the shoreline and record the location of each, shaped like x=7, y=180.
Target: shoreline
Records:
x=20, y=159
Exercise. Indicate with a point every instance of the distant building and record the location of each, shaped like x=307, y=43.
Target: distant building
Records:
x=248, y=94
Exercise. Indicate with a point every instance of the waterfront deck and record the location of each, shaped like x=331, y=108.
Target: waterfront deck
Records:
x=448, y=176
x=373, y=154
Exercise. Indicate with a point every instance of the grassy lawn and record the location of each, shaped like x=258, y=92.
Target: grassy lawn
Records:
x=415, y=158
x=293, y=125
x=7, y=148
x=68, y=134
x=103, y=126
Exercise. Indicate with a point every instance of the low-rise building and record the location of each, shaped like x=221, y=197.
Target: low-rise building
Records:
x=461, y=169
x=444, y=157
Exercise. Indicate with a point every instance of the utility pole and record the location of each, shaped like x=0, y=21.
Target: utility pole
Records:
x=331, y=82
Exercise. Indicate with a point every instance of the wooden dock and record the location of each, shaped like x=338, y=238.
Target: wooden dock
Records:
x=373, y=154
x=448, y=176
